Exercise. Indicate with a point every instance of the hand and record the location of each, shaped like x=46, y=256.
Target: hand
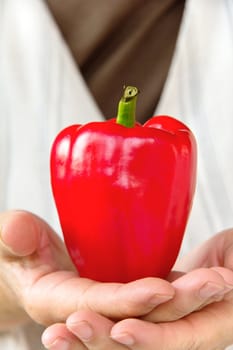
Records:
x=210, y=327
x=211, y=261
x=88, y=330
x=38, y=280
x=207, y=289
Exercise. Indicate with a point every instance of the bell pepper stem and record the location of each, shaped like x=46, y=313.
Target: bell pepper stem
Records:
x=127, y=107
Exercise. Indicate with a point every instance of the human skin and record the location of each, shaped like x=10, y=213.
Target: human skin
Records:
x=39, y=282
x=201, y=311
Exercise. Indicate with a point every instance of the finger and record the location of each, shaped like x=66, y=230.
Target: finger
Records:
x=112, y=300
x=127, y=300
x=210, y=328
x=19, y=233
x=57, y=337
x=93, y=330
x=192, y=291
x=226, y=274
x=23, y=233
x=213, y=324
x=217, y=250
x=141, y=335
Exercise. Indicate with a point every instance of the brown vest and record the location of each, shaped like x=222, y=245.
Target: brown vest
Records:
x=119, y=42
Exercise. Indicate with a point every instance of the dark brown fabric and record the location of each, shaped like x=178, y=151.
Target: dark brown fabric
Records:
x=120, y=42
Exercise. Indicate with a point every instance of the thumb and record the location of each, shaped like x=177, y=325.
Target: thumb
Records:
x=19, y=233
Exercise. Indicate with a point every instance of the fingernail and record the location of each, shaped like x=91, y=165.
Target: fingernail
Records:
x=82, y=329
x=5, y=239
x=123, y=338
x=2, y=238
x=58, y=344
x=228, y=287
x=160, y=298
x=5, y=244
x=211, y=289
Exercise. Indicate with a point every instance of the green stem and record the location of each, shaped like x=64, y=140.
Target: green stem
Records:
x=127, y=107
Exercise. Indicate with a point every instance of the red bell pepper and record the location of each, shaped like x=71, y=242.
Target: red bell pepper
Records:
x=123, y=192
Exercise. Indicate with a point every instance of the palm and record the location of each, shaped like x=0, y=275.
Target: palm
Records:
x=38, y=275
x=42, y=277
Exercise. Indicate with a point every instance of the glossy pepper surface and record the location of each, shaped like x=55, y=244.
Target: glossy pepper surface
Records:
x=123, y=192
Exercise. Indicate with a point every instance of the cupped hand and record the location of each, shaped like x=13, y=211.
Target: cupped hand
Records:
x=209, y=328
x=198, y=323
x=84, y=329
x=39, y=281
x=201, y=310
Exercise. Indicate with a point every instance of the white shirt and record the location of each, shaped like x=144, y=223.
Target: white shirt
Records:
x=42, y=91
